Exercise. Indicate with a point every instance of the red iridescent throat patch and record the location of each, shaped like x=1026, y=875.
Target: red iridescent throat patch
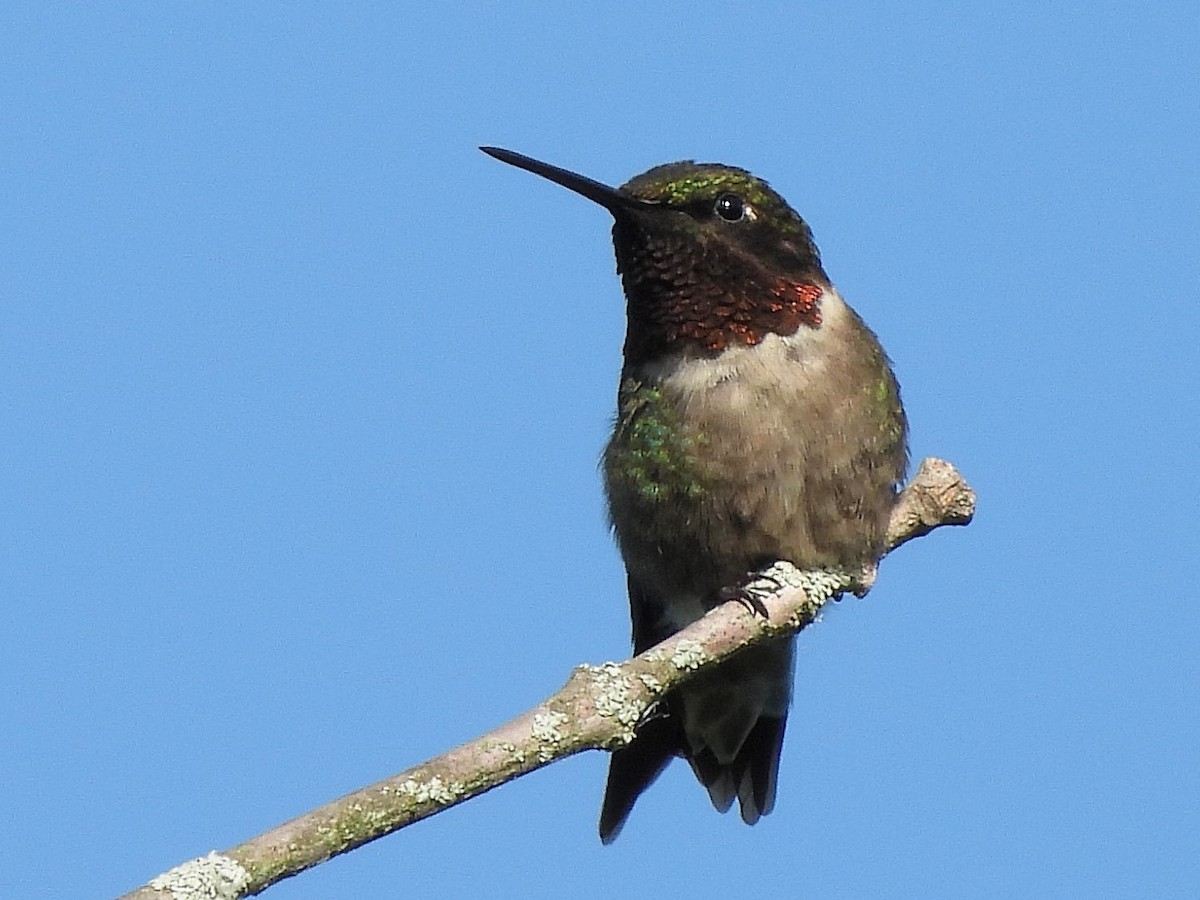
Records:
x=715, y=323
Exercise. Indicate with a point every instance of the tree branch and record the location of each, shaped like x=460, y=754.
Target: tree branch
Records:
x=597, y=708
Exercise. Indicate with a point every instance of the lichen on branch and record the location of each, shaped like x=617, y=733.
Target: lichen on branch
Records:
x=598, y=708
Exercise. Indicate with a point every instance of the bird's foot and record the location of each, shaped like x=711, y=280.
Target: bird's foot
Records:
x=753, y=590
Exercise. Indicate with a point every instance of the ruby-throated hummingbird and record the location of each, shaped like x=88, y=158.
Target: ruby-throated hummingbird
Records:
x=758, y=419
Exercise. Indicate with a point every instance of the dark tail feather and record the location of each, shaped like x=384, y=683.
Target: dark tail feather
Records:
x=751, y=776
x=634, y=768
x=754, y=687
x=762, y=750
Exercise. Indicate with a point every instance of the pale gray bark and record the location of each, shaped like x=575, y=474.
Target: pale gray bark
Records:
x=597, y=708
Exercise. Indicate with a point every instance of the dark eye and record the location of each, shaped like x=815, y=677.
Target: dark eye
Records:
x=730, y=207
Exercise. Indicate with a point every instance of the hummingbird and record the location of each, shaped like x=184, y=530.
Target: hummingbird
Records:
x=758, y=419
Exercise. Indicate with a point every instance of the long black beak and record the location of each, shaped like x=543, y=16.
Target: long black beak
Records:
x=610, y=198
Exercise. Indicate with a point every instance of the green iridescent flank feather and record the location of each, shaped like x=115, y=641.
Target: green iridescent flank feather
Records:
x=885, y=408
x=650, y=453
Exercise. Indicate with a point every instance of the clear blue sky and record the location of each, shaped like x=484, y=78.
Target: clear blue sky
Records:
x=302, y=398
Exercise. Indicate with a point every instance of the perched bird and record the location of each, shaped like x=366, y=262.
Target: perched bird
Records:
x=758, y=419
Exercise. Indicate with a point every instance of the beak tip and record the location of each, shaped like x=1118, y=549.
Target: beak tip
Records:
x=610, y=198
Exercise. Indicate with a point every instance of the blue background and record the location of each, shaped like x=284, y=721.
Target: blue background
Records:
x=302, y=398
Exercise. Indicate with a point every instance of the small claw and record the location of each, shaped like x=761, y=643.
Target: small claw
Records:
x=754, y=603
x=748, y=596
